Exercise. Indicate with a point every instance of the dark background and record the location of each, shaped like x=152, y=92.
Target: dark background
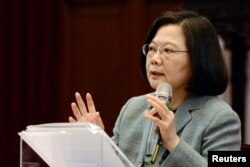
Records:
x=51, y=48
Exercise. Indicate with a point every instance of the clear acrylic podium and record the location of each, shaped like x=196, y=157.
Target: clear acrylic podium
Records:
x=71, y=145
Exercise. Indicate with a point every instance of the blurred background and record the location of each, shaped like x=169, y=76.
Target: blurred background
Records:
x=50, y=49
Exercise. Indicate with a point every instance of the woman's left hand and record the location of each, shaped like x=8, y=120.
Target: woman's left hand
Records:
x=165, y=120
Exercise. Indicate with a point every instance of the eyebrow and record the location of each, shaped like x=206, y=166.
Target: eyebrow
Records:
x=165, y=43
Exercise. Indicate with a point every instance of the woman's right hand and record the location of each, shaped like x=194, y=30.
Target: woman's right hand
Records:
x=83, y=113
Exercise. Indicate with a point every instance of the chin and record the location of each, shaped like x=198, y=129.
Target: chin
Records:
x=154, y=84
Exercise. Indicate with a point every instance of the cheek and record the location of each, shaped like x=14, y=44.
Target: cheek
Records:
x=185, y=72
x=147, y=66
x=179, y=72
x=186, y=75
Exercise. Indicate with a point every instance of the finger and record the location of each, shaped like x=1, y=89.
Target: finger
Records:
x=90, y=103
x=99, y=121
x=76, y=111
x=158, y=109
x=155, y=120
x=71, y=120
x=80, y=103
x=151, y=118
x=152, y=112
x=156, y=100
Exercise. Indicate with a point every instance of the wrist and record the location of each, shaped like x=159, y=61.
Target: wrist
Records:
x=171, y=145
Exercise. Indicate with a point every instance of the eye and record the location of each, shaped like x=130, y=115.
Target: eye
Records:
x=168, y=51
x=151, y=49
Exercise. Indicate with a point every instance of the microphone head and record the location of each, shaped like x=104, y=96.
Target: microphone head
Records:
x=164, y=91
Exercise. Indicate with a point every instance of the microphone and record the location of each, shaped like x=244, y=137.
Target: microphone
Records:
x=164, y=93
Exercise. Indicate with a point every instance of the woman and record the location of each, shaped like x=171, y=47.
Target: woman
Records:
x=183, y=50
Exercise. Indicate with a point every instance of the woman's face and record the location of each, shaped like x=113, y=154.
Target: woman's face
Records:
x=166, y=65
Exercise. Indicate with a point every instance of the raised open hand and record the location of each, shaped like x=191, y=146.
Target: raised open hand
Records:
x=83, y=113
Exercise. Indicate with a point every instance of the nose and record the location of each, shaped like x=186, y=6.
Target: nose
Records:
x=156, y=58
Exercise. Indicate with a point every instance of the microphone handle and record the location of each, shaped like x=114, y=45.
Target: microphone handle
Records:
x=153, y=145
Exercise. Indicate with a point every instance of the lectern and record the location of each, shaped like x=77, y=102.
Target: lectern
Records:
x=72, y=145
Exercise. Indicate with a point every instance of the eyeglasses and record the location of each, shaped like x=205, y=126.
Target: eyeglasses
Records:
x=150, y=50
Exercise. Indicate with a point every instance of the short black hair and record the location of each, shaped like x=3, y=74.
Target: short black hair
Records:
x=209, y=73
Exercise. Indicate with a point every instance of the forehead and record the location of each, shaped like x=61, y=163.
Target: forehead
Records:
x=171, y=34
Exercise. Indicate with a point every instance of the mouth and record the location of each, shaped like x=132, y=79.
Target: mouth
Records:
x=156, y=74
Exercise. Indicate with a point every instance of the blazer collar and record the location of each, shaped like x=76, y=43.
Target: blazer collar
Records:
x=183, y=113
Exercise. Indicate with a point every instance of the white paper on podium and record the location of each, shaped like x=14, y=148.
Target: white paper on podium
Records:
x=74, y=145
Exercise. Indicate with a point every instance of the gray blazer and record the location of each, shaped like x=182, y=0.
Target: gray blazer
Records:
x=202, y=123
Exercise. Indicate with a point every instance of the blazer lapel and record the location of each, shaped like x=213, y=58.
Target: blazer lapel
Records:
x=182, y=115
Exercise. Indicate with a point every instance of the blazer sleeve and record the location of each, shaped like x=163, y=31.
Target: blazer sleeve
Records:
x=117, y=127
